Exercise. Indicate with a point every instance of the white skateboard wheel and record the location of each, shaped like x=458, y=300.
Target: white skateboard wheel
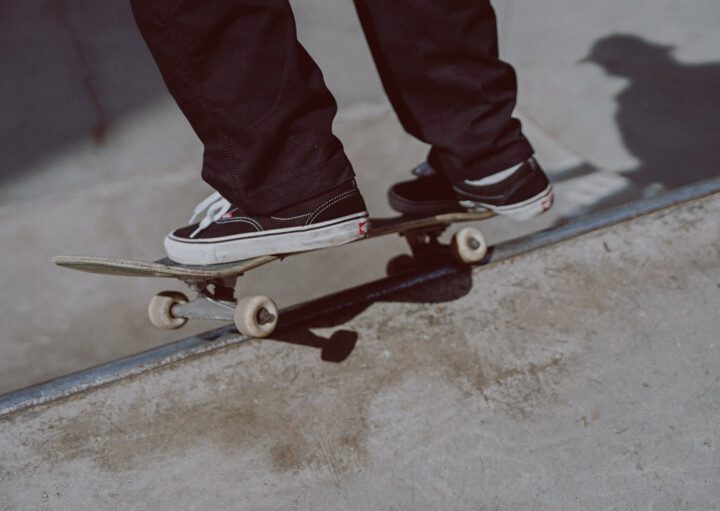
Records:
x=160, y=310
x=256, y=316
x=469, y=245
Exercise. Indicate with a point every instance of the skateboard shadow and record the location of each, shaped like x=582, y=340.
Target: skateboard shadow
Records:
x=350, y=303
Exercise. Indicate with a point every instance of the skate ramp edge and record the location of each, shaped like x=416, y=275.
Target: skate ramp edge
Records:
x=217, y=339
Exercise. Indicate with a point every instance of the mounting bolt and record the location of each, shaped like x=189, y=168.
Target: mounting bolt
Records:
x=264, y=317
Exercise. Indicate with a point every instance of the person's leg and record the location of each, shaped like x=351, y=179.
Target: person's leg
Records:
x=253, y=95
x=259, y=104
x=438, y=61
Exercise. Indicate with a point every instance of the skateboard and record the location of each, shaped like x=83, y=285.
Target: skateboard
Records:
x=257, y=316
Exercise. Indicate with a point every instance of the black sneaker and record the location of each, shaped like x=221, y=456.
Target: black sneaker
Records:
x=520, y=193
x=226, y=234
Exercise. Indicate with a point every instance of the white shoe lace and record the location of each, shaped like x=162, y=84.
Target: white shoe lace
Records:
x=216, y=206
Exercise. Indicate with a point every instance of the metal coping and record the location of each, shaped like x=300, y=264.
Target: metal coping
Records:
x=222, y=337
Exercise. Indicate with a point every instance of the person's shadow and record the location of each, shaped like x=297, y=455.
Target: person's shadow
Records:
x=668, y=115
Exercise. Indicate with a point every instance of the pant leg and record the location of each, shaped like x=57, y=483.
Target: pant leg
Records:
x=252, y=94
x=438, y=61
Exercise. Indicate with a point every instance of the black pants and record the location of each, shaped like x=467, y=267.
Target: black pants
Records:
x=260, y=106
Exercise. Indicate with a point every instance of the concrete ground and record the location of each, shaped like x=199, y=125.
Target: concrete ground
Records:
x=580, y=376
x=96, y=159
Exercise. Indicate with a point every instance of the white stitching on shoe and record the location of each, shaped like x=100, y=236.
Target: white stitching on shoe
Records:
x=290, y=217
x=327, y=204
x=245, y=219
x=333, y=198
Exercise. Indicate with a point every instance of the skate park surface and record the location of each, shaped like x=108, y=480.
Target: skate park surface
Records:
x=98, y=160
x=581, y=375
x=577, y=376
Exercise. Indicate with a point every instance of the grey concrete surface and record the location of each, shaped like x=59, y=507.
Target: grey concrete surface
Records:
x=96, y=159
x=580, y=376
x=335, y=304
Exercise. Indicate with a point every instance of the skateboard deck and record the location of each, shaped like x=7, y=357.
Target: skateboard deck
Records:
x=256, y=316
x=169, y=269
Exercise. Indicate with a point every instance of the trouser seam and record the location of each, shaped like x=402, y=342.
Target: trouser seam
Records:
x=194, y=83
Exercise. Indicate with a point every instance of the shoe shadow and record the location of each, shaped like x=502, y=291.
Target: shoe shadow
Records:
x=409, y=280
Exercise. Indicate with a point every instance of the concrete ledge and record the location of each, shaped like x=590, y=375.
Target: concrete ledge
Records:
x=332, y=305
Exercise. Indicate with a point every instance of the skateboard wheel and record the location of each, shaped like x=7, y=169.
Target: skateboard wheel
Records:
x=469, y=245
x=256, y=316
x=160, y=310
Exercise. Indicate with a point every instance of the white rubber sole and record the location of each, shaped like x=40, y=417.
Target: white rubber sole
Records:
x=521, y=211
x=280, y=241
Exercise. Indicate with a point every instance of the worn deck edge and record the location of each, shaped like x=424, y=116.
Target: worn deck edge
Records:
x=222, y=337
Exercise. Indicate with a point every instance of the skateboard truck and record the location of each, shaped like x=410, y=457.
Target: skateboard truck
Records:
x=254, y=316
